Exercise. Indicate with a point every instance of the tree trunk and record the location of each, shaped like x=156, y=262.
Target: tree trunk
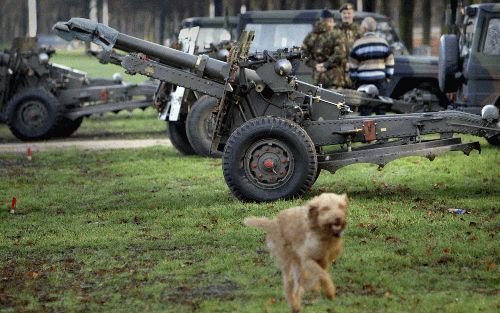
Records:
x=369, y=5
x=32, y=21
x=334, y=4
x=24, y=23
x=105, y=12
x=386, y=8
x=269, y=5
x=311, y=4
x=426, y=22
x=161, y=27
x=236, y=7
x=218, y=7
x=406, y=22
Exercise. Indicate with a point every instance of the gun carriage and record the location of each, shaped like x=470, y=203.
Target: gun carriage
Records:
x=273, y=128
x=39, y=99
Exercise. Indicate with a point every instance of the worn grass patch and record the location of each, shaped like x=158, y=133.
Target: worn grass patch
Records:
x=149, y=230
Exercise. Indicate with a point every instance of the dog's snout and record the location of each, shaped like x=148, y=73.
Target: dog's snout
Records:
x=337, y=227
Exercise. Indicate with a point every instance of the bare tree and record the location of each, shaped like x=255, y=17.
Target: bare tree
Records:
x=219, y=10
x=386, y=8
x=426, y=21
x=311, y=4
x=369, y=5
x=334, y=4
x=406, y=22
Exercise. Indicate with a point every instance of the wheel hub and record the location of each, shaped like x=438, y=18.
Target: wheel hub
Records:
x=209, y=125
x=268, y=164
x=33, y=114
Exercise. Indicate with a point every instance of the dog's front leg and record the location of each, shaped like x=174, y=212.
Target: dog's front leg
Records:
x=324, y=277
x=291, y=291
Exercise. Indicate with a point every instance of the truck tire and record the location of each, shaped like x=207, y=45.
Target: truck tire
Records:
x=200, y=125
x=33, y=114
x=269, y=158
x=178, y=137
x=448, y=63
x=67, y=127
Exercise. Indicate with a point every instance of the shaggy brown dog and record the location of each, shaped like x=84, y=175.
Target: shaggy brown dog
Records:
x=304, y=241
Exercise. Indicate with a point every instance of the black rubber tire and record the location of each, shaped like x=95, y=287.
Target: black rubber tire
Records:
x=17, y=117
x=282, y=132
x=177, y=134
x=67, y=127
x=197, y=126
x=448, y=63
x=316, y=176
x=494, y=141
x=444, y=102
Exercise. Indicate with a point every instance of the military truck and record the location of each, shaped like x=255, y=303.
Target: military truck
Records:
x=39, y=99
x=415, y=77
x=469, y=61
x=212, y=29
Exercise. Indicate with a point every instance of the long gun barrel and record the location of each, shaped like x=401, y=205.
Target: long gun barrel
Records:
x=109, y=38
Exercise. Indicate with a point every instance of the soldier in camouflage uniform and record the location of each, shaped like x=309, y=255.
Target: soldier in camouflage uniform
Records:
x=349, y=33
x=320, y=51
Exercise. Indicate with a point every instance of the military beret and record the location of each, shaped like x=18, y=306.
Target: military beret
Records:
x=326, y=14
x=346, y=6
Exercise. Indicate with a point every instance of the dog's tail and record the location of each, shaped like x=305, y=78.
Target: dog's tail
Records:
x=259, y=222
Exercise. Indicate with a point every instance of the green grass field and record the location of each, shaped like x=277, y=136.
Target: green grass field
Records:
x=149, y=230
x=79, y=60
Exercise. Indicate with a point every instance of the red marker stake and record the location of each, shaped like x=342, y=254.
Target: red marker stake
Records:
x=13, y=205
x=29, y=153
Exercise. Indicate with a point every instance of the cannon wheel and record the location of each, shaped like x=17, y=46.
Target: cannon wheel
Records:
x=269, y=158
x=33, y=114
x=67, y=127
x=178, y=137
x=200, y=126
x=494, y=141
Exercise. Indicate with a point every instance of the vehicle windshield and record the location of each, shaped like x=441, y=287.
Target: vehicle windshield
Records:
x=276, y=36
x=385, y=31
x=207, y=36
x=492, y=40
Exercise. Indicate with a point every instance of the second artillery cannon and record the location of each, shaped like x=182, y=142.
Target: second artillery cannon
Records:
x=40, y=99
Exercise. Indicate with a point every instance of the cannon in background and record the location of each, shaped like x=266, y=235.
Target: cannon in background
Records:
x=40, y=100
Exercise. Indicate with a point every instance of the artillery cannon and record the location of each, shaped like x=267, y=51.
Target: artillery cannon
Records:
x=39, y=99
x=272, y=128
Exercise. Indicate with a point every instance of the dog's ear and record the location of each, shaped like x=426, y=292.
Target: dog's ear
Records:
x=313, y=210
x=345, y=202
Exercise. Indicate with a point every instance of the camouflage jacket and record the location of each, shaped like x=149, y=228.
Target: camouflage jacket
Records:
x=348, y=34
x=321, y=46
